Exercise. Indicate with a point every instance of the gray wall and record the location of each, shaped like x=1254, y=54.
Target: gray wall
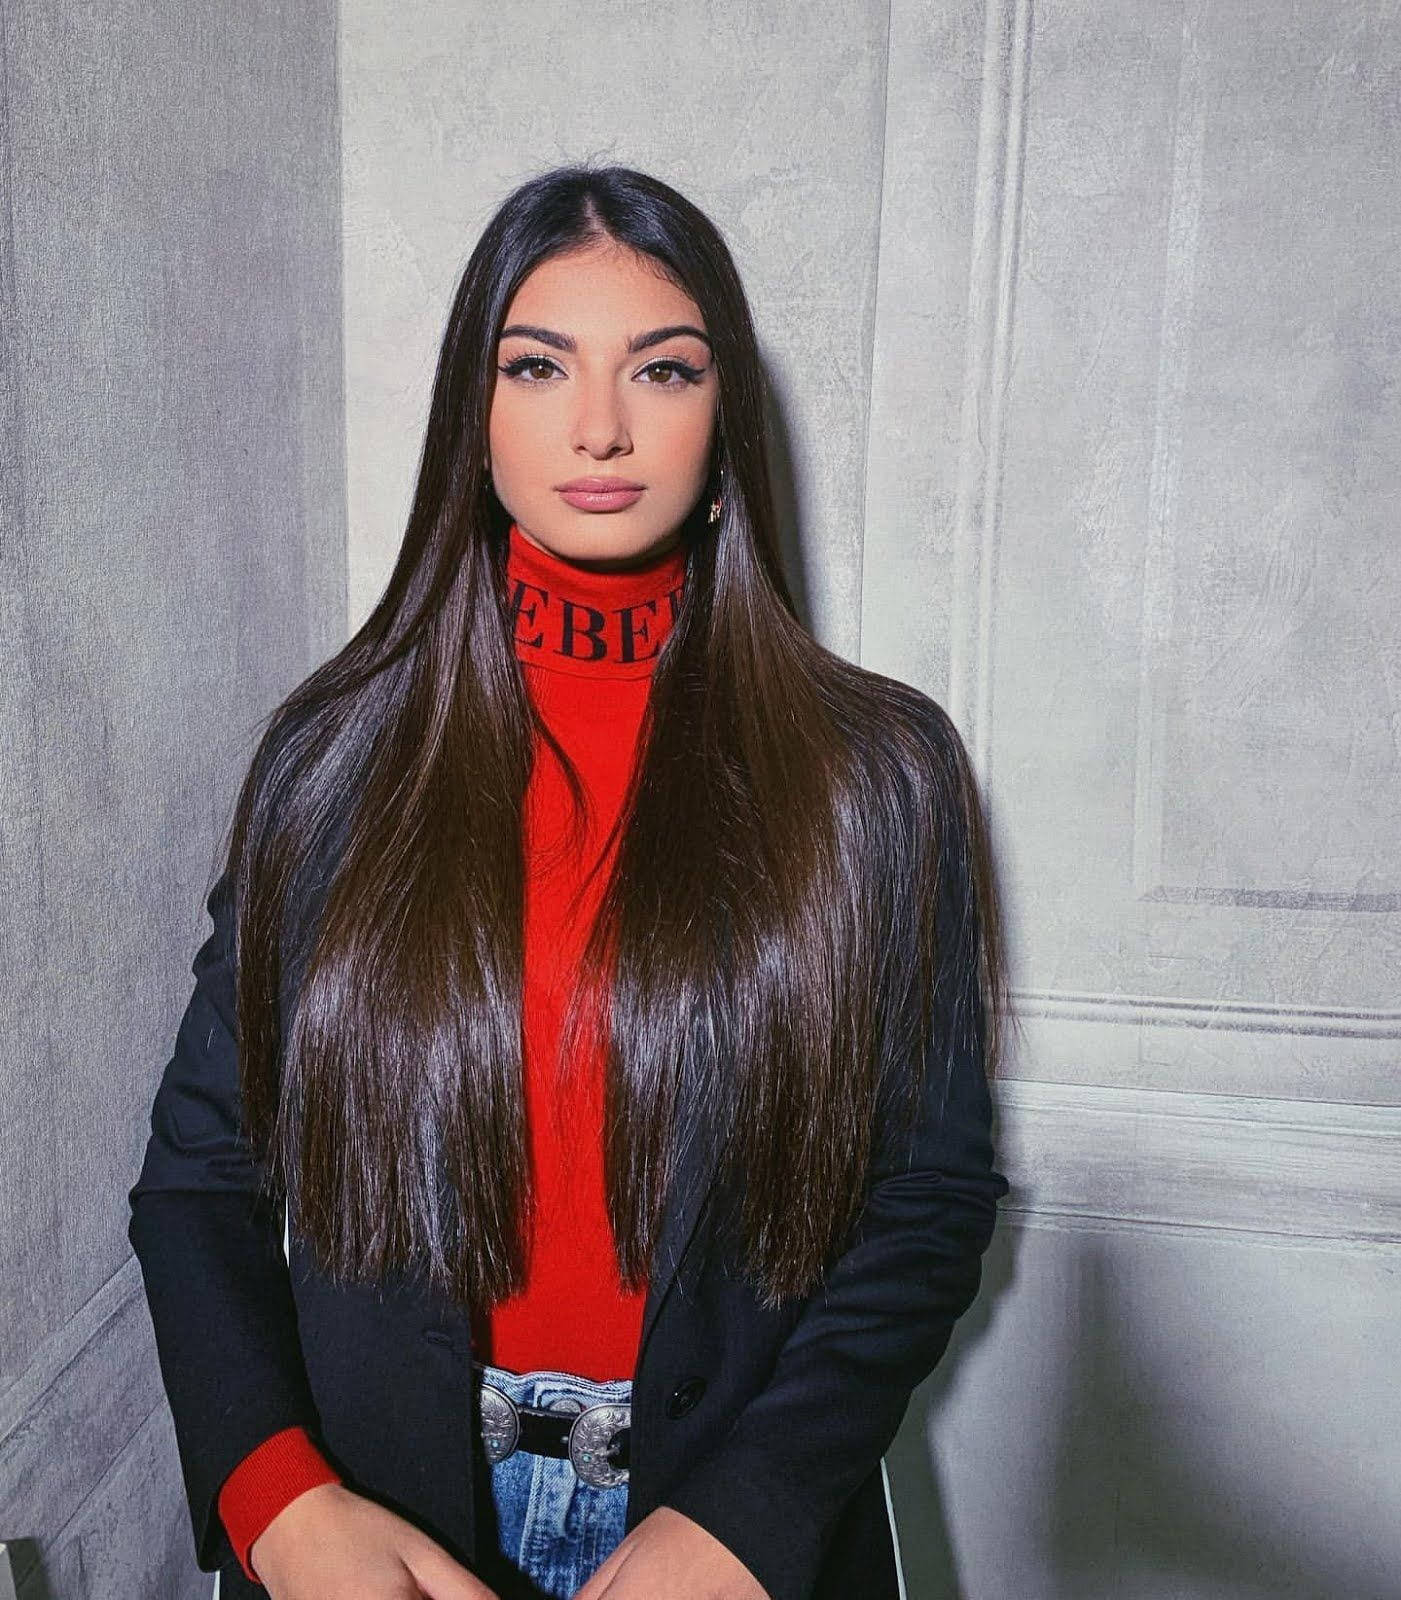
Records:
x=1082, y=324
x=172, y=560
x=1084, y=357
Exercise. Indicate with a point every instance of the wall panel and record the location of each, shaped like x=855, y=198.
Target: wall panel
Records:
x=1130, y=503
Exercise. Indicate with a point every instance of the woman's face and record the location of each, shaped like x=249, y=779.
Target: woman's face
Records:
x=603, y=372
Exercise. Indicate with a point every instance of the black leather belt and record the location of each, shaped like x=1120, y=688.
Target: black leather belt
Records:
x=594, y=1439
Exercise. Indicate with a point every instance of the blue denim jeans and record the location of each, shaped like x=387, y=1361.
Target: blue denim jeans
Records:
x=541, y=1530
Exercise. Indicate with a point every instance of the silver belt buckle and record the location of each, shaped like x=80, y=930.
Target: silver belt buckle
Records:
x=589, y=1437
x=501, y=1422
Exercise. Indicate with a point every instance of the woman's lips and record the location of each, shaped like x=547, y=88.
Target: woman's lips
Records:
x=599, y=499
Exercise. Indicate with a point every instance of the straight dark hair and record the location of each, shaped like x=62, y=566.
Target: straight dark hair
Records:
x=800, y=924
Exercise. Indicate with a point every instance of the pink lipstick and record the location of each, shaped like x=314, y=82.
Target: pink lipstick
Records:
x=599, y=494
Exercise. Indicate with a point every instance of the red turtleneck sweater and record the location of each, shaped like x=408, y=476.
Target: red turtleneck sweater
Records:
x=587, y=642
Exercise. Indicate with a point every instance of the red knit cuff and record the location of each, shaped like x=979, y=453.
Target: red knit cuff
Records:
x=266, y=1480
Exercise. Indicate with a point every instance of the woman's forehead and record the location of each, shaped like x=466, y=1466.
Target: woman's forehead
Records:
x=601, y=293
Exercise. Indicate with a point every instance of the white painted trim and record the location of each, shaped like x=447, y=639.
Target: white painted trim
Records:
x=894, y=1531
x=992, y=273
x=1221, y=1016
x=1291, y=1168
x=1181, y=248
x=7, y=1578
x=1252, y=1055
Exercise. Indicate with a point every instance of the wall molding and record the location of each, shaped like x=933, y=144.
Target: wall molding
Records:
x=1292, y=1169
x=1226, y=1016
x=95, y=1380
x=59, y=1352
x=1157, y=613
x=992, y=277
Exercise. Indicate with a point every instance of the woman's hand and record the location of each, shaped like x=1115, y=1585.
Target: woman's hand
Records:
x=669, y=1557
x=333, y=1544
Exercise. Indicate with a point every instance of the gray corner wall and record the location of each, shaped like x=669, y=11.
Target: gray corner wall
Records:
x=172, y=561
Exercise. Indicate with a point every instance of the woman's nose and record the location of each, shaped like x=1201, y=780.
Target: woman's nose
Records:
x=600, y=423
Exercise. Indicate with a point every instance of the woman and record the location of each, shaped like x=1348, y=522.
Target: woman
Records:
x=603, y=991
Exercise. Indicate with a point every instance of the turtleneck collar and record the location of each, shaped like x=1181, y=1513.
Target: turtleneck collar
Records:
x=588, y=622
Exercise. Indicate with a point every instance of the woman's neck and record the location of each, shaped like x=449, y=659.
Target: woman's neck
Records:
x=591, y=621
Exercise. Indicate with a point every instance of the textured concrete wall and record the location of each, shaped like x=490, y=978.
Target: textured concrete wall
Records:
x=1080, y=326
x=172, y=560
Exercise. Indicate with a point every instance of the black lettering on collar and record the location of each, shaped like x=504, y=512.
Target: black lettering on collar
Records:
x=576, y=631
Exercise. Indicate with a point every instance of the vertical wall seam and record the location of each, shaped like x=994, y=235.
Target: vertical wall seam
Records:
x=342, y=633
x=872, y=322
x=1007, y=45
x=1156, y=621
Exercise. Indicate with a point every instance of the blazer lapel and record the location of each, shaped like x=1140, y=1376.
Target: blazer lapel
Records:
x=686, y=1203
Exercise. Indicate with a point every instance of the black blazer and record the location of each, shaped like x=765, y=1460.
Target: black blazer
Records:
x=767, y=1427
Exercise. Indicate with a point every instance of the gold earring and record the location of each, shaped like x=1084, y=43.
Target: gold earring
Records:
x=715, y=510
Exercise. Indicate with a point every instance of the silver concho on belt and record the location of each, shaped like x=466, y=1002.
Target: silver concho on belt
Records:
x=589, y=1438
x=590, y=1434
x=501, y=1423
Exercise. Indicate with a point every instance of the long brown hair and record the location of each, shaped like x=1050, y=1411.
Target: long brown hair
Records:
x=800, y=923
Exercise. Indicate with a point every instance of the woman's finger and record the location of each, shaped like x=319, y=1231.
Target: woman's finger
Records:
x=442, y=1578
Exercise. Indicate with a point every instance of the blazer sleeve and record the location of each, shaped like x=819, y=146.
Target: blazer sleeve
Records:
x=873, y=1330
x=211, y=1253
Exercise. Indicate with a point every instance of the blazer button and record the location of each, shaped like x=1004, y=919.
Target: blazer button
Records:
x=684, y=1397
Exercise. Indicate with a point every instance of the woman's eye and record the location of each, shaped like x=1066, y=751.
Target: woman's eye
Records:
x=539, y=366
x=685, y=373
x=523, y=364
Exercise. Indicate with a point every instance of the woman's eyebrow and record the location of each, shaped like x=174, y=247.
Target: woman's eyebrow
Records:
x=564, y=341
